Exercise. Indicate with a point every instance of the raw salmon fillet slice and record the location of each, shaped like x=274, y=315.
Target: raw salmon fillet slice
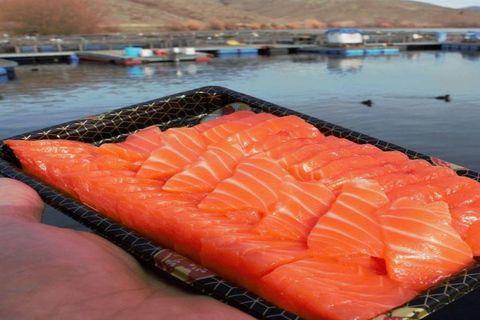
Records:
x=281, y=141
x=254, y=185
x=261, y=131
x=144, y=141
x=351, y=226
x=204, y=126
x=421, y=246
x=221, y=132
x=215, y=165
x=436, y=187
x=192, y=229
x=356, y=161
x=405, y=175
x=299, y=206
x=181, y=147
x=48, y=160
x=369, y=172
x=115, y=149
x=112, y=185
x=247, y=257
x=52, y=146
x=279, y=150
x=472, y=238
x=104, y=161
x=322, y=288
x=460, y=199
x=151, y=212
x=389, y=162
x=77, y=179
x=287, y=158
x=317, y=165
x=464, y=216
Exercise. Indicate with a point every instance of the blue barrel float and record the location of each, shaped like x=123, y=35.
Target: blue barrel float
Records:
x=133, y=51
x=441, y=36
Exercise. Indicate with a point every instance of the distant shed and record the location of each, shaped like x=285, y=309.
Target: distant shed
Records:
x=471, y=37
x=345, y=36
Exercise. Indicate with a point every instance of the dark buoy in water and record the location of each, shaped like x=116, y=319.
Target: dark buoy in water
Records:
x=367, y=102
x=446, y=98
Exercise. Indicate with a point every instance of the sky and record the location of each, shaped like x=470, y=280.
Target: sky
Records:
x=453, y=3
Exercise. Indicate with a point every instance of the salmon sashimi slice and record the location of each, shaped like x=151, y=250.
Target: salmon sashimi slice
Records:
x=432, y=172
x=104, y=161
x=116, y=149
x=454, y=186
x=52, y=146
x=151, y=212
x=150, y=222
x=351, y=226
x=244, y=216
x=464, y=216
x=472, y=238
x=421, y=246
x=145, y=140
x=112, y=186
x=215, y=165
x=323, y=288
x=369, y=172
x=261, y=131
x=181, y=147
x=421, y=191
x=437, y=188
x=357, y=161
x=220, y=132
x=244, y=258
x=192, y=229
x=389, y=162
x=335, y=167
x=299, y=206
x=204, y=126
x=254, y=185
x=280, y=150
x=395, y=180
x=76, y=179
x=287, y=158
x=311, y=167
x=459, y=199
x=282, y=140
x=50, y=167
x=405, y=175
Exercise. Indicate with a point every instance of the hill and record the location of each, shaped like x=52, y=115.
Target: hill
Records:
x=158, y=15
x=473, y=8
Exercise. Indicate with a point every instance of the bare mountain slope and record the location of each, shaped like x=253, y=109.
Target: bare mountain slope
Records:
x=160, y=14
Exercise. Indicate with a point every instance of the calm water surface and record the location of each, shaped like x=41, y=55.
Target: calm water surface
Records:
x=401, y=87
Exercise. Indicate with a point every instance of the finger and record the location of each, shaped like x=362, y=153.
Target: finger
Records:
x=19, y=202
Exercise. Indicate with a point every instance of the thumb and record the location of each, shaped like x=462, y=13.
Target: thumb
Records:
x=19, y=202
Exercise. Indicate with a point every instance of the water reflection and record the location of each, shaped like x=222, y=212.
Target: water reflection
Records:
x=135, y=71
x=345, y=65
x=471, y=56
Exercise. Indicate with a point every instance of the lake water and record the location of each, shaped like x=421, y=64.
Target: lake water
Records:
x=402, y=88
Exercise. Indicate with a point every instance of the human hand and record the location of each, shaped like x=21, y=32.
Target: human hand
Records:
x=52, y=273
